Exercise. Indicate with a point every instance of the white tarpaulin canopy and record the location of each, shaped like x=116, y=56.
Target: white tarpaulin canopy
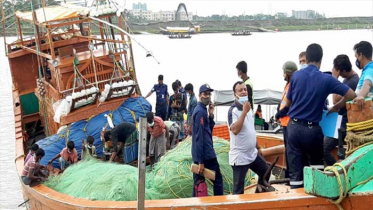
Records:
x=267, y=97
x=52, y=13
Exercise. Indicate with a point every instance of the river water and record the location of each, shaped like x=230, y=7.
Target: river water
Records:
x=205, y=58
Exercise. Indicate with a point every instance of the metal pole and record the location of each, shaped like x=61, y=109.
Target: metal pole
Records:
x=141, y=164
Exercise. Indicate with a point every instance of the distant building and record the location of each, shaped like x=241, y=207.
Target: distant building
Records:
x=306, y=14
x=164, y=15
x=281, y=15
x=183, y=16
x=139, y=6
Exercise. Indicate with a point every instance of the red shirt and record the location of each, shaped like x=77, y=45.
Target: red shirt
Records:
x=158, y=128
x=29, y=166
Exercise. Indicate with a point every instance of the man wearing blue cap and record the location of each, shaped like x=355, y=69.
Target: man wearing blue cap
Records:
x=203, y=152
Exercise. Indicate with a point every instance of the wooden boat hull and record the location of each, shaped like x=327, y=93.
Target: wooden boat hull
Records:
x=44, y=198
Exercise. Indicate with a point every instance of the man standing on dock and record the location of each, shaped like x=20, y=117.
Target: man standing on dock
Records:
x=162, y=98
x=203, y=152
x=244, y=149
x=307, y=93
x=242, y=74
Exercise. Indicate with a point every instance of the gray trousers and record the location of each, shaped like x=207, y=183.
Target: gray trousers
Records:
x=259, y=166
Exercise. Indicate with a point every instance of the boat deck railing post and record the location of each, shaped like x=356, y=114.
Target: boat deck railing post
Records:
x=141, y=164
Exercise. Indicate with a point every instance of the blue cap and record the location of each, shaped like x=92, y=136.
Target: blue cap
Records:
x=204, y=88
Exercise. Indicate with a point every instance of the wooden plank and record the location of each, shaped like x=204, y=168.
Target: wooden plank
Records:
x=325, y=184
x=142, y=164
x=98, y=39
x=67, y=23
x=35, y=52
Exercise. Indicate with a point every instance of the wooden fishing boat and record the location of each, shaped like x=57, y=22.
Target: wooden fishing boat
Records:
x=103, y=59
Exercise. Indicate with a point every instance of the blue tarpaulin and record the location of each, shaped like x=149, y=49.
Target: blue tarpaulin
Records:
x=80, y=130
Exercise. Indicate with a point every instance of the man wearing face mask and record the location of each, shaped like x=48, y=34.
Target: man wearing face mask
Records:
x=306, y=96
x=203, y=152
x=242, y=74
x=363, y=54
x=67, y=156
x=192, y=104
x=177, y=108
x=244, y=153
x=302, y=60
x=288, y=68
x=159, y=137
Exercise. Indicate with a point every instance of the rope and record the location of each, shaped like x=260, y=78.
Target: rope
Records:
x=342, y=193
x=40, y=77
x=133, y=116
x=358, y=135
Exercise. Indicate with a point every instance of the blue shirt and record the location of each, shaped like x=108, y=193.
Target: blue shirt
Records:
x=308, y=91
x=202, y=144
x=161, y=91
x=192, y=105
x=366, y=75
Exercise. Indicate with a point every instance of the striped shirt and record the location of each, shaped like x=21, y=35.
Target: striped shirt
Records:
x=30, y=165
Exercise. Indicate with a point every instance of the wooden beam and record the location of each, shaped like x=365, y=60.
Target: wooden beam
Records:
x=68, y=23
x=35, y=52
x=141, y=164
x=103, y=40
x=101, y=30
x=20, y=30
x=51, y=44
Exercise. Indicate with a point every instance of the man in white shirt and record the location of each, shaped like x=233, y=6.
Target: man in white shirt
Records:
x=244, y=153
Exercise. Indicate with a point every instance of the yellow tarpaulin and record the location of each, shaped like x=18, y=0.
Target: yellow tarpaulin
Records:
x=51, y=13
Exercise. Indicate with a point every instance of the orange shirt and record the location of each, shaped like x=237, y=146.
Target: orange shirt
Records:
x=69, y=157
x=158, y=128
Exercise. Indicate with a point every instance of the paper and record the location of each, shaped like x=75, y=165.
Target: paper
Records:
x=330, y=124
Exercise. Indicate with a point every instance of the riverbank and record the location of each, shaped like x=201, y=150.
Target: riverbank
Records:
x=225, y=26
x=222, y=26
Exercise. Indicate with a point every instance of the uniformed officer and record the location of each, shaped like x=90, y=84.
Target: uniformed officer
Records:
x=162, y=98
x=203, y=152
x=307, y=93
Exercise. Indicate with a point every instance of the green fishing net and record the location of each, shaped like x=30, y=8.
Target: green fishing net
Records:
x=170, y=178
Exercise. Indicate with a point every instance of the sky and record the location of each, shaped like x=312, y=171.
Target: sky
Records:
x=331, y=8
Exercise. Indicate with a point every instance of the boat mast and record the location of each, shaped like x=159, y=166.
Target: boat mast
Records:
x=3, y=23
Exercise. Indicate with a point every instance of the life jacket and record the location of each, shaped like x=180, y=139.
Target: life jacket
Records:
x=285, y=120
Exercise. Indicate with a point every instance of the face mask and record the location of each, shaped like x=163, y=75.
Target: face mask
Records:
x=242, y=100
x=151, y=124
x=357, y=63
x=302, y=66
x=240, y=76
x=188, y=95
x=205, y=101
x=68, y=151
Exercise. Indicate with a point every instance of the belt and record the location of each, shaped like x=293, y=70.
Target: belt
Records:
x=305, y=122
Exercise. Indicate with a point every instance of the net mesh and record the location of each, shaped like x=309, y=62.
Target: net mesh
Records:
x=170, y=178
